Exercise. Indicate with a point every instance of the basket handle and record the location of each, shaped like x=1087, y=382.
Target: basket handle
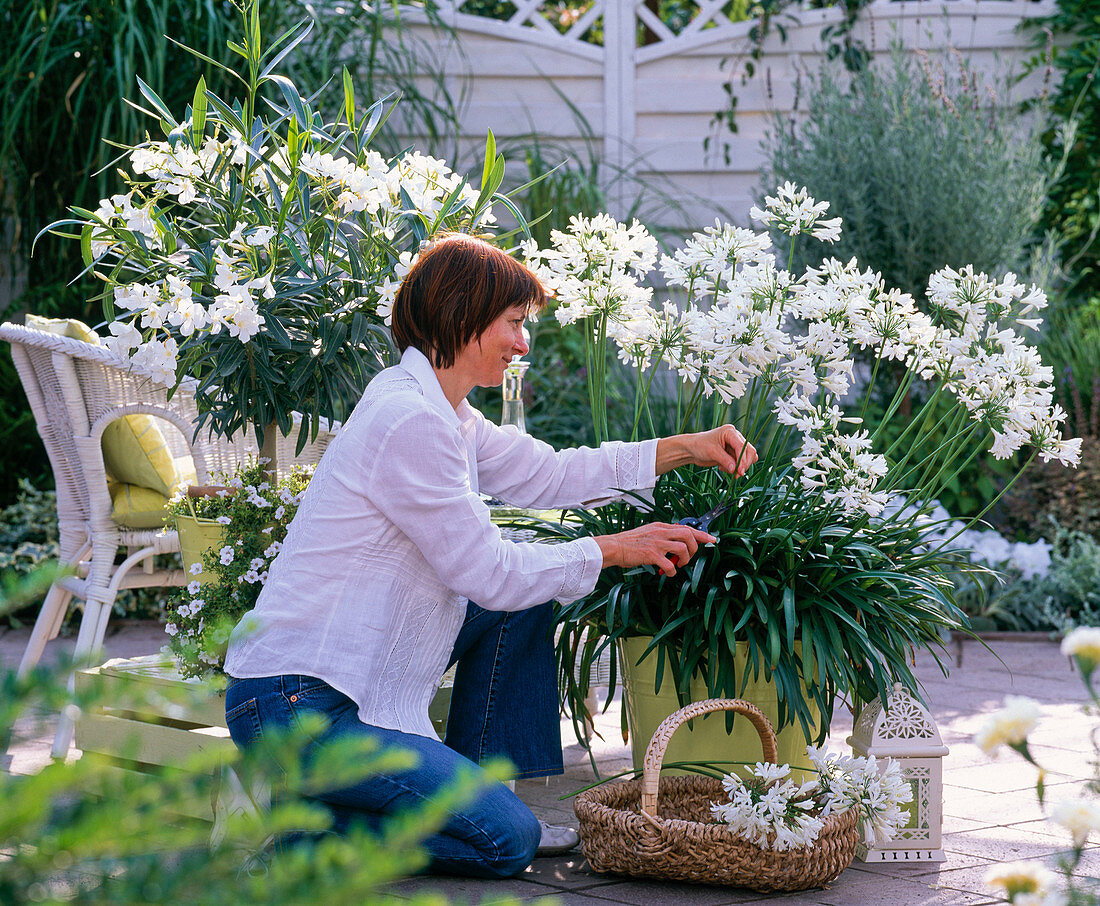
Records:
x=655, y=751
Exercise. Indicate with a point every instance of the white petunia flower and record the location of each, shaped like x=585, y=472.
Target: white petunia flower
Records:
x=1016, y=878
x=1080, y=817
x=1009, y=726
x=1083, y=643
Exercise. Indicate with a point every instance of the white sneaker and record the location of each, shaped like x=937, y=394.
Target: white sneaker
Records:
x=556, y=839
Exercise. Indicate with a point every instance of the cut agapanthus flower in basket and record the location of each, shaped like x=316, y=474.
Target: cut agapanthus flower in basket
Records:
x=772, y=811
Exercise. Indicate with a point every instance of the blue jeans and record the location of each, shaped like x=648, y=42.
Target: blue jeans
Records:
x=504, y=704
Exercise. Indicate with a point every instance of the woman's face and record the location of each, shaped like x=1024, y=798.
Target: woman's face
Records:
x=485, y=357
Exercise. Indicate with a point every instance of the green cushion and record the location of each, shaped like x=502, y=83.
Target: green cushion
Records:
x=64, y=327
x=134, y=449
x=136, y=507
x=135, y=452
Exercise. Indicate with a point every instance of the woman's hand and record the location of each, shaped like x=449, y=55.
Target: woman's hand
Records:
x=656, y=544
x=724, y=447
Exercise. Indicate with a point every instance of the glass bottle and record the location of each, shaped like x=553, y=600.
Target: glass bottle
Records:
x=512, y=411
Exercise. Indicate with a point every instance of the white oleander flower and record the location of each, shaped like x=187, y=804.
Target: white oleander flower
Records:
x=124, y=338
x=157, y=359
x=1021, y=878
x=1009, y=726
x=1080, y=817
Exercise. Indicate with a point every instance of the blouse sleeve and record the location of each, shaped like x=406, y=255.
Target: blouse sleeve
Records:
x=526, y=472
x=419, y=481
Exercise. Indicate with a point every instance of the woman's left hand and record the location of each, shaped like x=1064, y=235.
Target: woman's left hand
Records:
x=724, y=447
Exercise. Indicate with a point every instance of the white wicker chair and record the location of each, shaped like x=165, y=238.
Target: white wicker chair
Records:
x=75, y=390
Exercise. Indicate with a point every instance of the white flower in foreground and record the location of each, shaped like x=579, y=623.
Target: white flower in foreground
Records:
x=1010, y=725
x=1019, y=878
x=1083, y=643
x=195, y=569
x=226, y=555
x=1079, y=816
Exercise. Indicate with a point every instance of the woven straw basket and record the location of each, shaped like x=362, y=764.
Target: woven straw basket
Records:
x=624, y=829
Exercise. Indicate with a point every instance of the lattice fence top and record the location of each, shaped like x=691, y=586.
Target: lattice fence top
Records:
x=647, y=85
x=588, y=23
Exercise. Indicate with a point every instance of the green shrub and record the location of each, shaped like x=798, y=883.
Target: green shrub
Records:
x=29, y=542
x=28, y=536
x=85, y=832
x=1072, y=211
x=927, y=165
x=1067, y=596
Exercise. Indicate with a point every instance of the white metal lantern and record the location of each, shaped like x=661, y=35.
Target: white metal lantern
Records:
x=905, y=731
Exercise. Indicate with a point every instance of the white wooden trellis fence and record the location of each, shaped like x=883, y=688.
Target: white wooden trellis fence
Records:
x=652, y=105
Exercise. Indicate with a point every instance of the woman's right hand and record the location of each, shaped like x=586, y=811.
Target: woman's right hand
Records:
x=656, y=544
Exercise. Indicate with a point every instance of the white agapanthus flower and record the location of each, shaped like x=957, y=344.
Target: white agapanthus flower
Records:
x=594, y=270
x=769, y=809
x=1010, y=726
x=876, y=789
x=791, y=210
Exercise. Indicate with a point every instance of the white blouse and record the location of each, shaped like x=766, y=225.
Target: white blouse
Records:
x=392, y=539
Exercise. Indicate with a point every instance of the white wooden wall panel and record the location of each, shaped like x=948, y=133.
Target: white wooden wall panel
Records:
x=651, y=107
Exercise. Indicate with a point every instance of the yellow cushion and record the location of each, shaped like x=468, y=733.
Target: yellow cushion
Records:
x=136, y=507
x=134, y=449
x=143, y=508
x=64, y=327
x=135, y=452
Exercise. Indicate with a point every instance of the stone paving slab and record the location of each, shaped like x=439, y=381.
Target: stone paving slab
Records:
x=990, y=808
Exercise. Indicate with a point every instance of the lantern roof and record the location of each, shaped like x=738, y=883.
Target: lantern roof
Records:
x=903, y=729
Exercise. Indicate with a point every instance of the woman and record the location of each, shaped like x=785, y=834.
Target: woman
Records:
x=372, y=596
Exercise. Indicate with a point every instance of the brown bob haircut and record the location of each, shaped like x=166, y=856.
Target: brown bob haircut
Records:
x=458, y=286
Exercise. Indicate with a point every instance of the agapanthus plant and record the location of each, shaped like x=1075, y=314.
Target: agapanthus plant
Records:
x=257, y=247
x=254, y=513
x=828, y=566
x=769, y=809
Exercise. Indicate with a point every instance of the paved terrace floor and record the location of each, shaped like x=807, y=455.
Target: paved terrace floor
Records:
x=990, y=810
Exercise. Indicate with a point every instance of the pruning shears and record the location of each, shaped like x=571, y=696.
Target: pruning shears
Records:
x=701, y=523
